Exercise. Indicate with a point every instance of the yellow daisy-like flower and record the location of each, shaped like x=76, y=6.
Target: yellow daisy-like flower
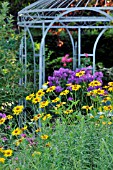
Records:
x=24, y=128
x=91, y=117
x=110, y=89
x=2, y=120
x=110, y=84
x=109, y=123
x=104, y=123
x=50, y=89
x=36, y=153
x=95, y=83
x=8, y=152
x=40, y=93
x=105, y=87
x=2, y=160
x=87, y=107
x=16, y=132
x=36, y=100
x=9, y=116
x=38, y=130
x=65, y=92
x=30, y=96
x=1, y=150
x=48, y=116
x=48, y=144
x=91, y=93
x=76, y=87
x=68, y=111
x=36, y=117
x=17, y=143
x=17, y=110
x=106, y=99
x=107, y=108
x=99, y=91
x=56, y=100
x=101, y=117
x=44, y=104
x=80, y=73
x=44, y=137
x=61, y=104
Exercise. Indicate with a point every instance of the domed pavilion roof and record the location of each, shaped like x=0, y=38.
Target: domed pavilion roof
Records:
x=74, y=10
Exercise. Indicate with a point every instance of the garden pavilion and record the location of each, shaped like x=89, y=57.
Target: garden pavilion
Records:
x=66, y=14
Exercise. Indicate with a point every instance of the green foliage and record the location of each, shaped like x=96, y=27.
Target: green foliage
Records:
x=10, y=68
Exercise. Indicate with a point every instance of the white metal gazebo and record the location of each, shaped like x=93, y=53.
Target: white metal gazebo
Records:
x=52, y=14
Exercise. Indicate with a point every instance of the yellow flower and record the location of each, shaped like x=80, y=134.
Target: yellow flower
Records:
x=95, y=83
x=65, y=92
x=106, y=108
x=68, y=111
x=99, y=91
x=47, y=116
x=50, y=89
x=8, y=152
x=24, y=128
x=105, y=87
x=17, y=110
x=36, y=100
x=2, y=120
x=44, y=104
x=40, y=93
x=104, y=123
x=2, y=160
x=56, y=100
x=91, y=93
x=110, y=89
x=36, y=153
x=19, y=141
x=36, y=117
x=16, y=132
x=76, y=87
x=106, y=99
x=37, y=46
x=110, y=84
x=91, y=117
x=80, y=73
x=101, y=117
x=44, y=137
x=9, y=116
x=48, y=144
x=109, y=123
x=87, y=107
x=38, y=130
x=1, y=150
x=30, y=96
x=60, y=104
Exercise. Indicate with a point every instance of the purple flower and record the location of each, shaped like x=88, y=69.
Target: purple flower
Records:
x=59, y=89
x=4, y=139
x=70, y=98
x=23, y=135
x=2, y=115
